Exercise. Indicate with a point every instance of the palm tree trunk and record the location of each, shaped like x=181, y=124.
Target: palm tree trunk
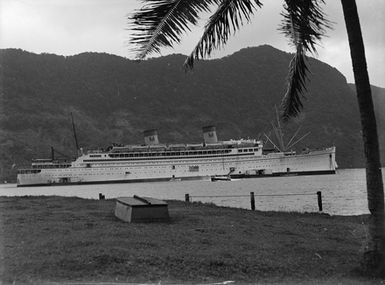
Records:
x=374, y=259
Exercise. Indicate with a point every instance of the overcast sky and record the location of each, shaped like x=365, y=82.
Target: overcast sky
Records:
x=68, y=27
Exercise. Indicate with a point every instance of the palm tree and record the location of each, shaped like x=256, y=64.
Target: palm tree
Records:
x=374, y=259
x=161, y=23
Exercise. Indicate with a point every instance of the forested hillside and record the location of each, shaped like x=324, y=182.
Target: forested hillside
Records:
x=114, y=99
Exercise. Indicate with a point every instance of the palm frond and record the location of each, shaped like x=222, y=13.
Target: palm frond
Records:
x=161, y=23
x=226, y=20
x=304, y=23
x=292, y=101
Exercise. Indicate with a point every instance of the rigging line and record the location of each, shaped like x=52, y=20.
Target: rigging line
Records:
x=293, y=137
x=273, y=143
x=300, y=139
x=279, y=129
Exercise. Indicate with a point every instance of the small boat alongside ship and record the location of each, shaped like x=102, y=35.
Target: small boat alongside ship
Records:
x=153, y=161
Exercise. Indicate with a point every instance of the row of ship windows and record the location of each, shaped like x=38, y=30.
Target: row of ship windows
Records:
x=247, y=150
x=162, y=164
x=51, y=166
x=191, y=168
x=166, y=160
x=171, y=153
x=194, y=168
x=28, y=171
x=37, y=170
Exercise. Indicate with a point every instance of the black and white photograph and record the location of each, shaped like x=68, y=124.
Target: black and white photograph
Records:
x=193, y=142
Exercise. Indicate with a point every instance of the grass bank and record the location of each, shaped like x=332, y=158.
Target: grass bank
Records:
x=59, y=239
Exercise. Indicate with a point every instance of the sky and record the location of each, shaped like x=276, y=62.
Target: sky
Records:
x=68, y=27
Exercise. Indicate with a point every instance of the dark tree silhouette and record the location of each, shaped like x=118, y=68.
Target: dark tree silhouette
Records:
x=374, y=261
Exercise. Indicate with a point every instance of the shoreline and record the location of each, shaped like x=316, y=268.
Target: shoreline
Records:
x=342, y=194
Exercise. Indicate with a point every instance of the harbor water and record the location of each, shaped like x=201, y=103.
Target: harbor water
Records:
x=343, y=193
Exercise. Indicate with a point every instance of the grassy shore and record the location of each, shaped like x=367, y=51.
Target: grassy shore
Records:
x=57, y=239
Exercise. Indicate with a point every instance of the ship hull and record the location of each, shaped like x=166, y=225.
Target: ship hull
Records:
x=245, y=165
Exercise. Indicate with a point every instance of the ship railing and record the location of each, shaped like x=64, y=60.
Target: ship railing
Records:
x=50, y=161
x=94, y=151
x=41, y=159
x=182, y=147
x=168, y=153
x=57, y=165
x=241, y=141
x=195, y=145
x=289, y=153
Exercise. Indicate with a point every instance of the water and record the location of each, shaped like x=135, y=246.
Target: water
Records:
x=343, y=193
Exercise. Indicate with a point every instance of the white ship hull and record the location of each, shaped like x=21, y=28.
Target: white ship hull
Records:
x=233, y=163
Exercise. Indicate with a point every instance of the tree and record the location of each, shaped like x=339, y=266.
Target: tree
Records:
x=374, y=259
x=161, y=23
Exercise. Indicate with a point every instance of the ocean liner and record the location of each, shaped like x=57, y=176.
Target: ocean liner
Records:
x=154, y=161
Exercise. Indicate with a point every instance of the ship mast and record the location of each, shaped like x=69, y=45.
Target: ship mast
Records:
x=75, y=137
x=52, y=153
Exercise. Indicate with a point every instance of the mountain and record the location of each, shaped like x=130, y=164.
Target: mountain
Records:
x=114, y=99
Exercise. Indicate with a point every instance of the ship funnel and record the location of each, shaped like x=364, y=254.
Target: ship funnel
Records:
x=210, y=134
x=151, y=137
